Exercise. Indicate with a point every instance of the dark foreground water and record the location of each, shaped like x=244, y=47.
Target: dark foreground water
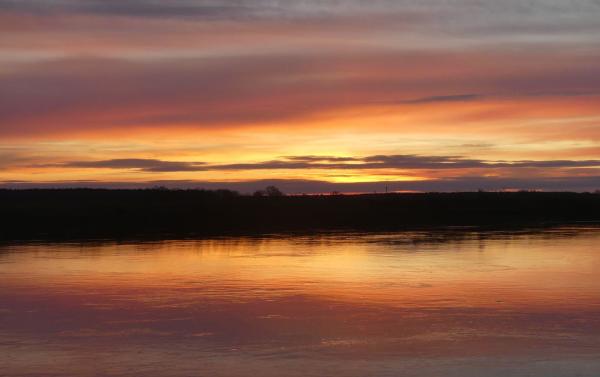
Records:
x=404, y=304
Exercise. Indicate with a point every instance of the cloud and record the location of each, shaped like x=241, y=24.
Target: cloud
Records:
x=261, y=68
x=230, y=9
x=452, y=72
x=93, y=94
x=149, y=165
x=321, y=158
x=401, y=162
x=451, y=98
x=237, y=8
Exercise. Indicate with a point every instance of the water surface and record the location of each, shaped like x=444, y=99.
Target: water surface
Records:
x=445, y=303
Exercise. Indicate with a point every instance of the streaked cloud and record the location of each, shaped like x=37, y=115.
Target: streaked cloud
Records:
x=452, y=98
x=403, y=162
x=149, y=165
x=95, y=94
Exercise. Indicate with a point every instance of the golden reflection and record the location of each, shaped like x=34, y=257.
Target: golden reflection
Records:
x=463, y=302
x=384, y=270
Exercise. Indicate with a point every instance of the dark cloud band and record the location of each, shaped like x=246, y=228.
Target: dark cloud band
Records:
x=569, y=183
x=400, y=162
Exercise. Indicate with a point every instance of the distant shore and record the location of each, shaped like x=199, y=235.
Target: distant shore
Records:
x=91, y=213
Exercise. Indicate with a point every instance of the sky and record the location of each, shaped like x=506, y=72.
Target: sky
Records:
x=313, y=96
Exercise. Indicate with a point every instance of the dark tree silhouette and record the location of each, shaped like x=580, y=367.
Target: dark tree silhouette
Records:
x=81, y=213
x=273, y=191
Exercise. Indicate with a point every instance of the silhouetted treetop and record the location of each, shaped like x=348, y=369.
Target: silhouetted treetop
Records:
x=273, y=191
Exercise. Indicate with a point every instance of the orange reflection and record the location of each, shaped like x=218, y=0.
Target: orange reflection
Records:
x=346, y=299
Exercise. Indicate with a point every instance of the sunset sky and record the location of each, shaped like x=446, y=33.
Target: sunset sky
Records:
x=314, y=96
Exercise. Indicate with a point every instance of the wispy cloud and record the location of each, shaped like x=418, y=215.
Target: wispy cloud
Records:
x=232, y=9
x=450, y=98
x=98, y=94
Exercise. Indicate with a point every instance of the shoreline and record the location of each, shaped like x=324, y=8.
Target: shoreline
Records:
x=122, y=214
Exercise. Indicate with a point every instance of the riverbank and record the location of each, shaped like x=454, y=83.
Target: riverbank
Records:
x=87, y=213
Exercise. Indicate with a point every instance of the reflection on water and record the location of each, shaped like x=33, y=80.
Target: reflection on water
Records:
x=404, y=304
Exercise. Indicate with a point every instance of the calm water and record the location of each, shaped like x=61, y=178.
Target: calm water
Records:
x=403, y=304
